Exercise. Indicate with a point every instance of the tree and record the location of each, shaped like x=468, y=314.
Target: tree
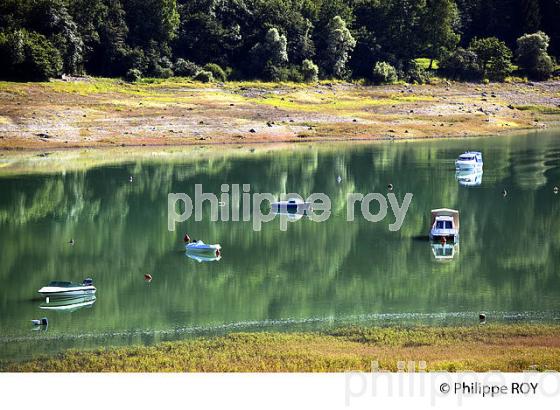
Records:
x=271, y=53
x=439, y=23
x=275, y=47
x=340, y=45
x=532, y=55
x=28, y=56
x=494, y=57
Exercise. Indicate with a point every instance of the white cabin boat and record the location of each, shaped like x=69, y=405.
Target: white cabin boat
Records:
x=68, y=289
x=469, y=160
x=445, y=225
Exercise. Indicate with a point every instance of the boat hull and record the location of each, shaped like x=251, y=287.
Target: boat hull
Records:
x=67, y=292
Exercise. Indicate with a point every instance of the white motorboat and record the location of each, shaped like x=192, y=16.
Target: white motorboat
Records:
x=68, y=289
x=469, y=177
x=199, y=247
x=291, y=206
x=445, y=225
x=469, y=160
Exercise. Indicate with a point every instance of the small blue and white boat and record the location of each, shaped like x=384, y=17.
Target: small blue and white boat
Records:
x=199, y=247
x=469, y=160
x=291, y=206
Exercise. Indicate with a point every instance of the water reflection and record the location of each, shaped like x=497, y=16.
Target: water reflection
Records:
x=444, y=252
x=203, y=258
x=510, y=248
x=469, y=178
x=68, y=304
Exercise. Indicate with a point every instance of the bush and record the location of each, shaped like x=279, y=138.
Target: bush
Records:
x=217, y=72
x=272, y=73
x=309, y=71
x=461, y=65
x=544, y=68
x=416, y=74
x=133, y=75
x=384, y=73
x=532, y=55
x=164, y=73
x=204, y=76
x=185, y=68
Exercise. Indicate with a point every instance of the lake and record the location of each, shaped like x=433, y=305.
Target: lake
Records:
x=310, y=276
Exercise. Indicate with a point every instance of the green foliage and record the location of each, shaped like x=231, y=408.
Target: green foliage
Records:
x=185, y=68
x=384, y=73
x=133, y=75
x=204, y=76
x=494, y=57
x=29, y=56
x=217, y=72
x=532, y=55
x=345, y=38
x=310, y=71
x=461, y=65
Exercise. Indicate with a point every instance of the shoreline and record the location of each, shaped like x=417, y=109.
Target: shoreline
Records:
x=97, y=112
x=498, y=347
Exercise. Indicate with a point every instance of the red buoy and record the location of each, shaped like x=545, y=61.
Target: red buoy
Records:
x=187, y=238
x=147, y=277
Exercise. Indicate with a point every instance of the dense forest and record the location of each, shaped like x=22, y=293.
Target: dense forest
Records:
x=279, y=40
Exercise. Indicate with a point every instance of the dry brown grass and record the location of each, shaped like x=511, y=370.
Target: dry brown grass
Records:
x=103, y=112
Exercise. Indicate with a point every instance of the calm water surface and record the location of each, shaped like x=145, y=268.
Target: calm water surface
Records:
x=314, y=275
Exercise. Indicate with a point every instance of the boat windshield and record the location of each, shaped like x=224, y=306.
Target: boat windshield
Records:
x=63, y=284
x=466, y=158
x=444, y=225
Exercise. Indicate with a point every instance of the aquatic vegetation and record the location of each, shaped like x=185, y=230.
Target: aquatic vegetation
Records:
x=512, y=348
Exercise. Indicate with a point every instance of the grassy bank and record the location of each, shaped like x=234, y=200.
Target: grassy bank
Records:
x=510, y=348
x=97, y=112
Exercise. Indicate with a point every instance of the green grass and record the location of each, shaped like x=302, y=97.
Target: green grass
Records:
x=477, y=348
x=425, y=63
x=541, y=109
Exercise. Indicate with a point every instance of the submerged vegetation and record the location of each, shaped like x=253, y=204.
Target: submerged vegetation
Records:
x=511, y=348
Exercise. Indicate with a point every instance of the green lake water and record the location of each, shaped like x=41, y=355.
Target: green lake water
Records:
x=313, y=275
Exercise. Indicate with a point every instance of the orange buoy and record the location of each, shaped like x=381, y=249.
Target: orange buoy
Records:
x=147, y=277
